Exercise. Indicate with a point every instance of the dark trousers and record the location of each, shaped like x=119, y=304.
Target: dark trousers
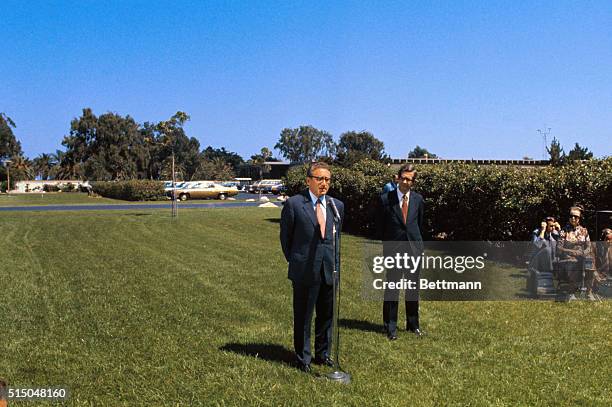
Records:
x=390, y=304
x=390, y=310
x=305, y=300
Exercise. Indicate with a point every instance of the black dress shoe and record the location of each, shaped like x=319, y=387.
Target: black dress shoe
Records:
x=324, y=361
x=392, y=336
x=417, y=331
x=304, y=368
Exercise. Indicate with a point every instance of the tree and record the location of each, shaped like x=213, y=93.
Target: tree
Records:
x=304, y=144
x=579, y=153
x=43, y=166
x=168, y=137
x=355, y=146
x=82, y=134
x=228, y=157
x=420, y=152
x=214, y=169
x=111, y=154
x=10, y=149
x=102, y=148
x=112, y=147
x=21, y=169
x=9, y=145
x=556, y=153
x=259, y=161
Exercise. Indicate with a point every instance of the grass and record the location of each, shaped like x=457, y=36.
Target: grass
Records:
x=133, y=308
x=58, y=198
x=75, y=198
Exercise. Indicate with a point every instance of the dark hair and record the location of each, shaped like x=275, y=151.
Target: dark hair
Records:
x=549, y=219
x=405, y=168
x=317, y=165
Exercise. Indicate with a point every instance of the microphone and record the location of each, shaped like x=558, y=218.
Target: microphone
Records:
x=334, y=209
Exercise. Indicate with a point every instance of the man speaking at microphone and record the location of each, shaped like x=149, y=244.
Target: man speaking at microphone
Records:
x=306, y=235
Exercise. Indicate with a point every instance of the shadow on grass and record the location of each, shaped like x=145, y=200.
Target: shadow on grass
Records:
x=273, y=220
x=361, y=325
x=265, y=351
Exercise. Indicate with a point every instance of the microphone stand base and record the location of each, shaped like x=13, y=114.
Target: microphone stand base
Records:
x=339, y=376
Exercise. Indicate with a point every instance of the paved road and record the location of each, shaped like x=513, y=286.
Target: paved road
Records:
x=168, y=206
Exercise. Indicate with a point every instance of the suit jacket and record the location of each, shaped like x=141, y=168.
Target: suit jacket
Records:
x=301, y=240
x=390, y=224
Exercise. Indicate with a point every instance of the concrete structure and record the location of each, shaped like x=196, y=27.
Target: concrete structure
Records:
x=37, y=186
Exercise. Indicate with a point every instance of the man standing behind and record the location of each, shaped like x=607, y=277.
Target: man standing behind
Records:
x=307, y=222
x=399, y=218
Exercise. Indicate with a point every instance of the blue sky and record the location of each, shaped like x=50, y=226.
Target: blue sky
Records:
x=463, y=79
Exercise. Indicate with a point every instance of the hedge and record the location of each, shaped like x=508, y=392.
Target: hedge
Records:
x=476, y=202
x=134, y=190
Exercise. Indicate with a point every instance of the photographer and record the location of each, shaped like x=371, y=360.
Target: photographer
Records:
x=575, y=254
x=544, y=241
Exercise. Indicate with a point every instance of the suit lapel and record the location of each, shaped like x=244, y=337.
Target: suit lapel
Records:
x=309, y=209
x=412, y=206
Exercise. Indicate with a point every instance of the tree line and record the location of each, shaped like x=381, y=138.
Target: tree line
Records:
x=114, y=147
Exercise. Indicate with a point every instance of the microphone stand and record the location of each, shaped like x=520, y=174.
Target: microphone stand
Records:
x=338, y=375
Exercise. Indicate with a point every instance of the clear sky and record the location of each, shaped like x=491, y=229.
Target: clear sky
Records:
x=463, y=79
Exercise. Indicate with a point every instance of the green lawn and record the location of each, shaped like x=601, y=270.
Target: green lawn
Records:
x=73, y=198
x=58, y=198
x=135, y=308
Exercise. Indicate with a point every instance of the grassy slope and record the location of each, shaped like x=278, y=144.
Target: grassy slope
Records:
x=132, y=308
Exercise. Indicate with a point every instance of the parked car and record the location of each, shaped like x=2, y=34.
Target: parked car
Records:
x=231, y=184
x=253, y=188
x=278, y=189
x=266, y=186
x=204, y=190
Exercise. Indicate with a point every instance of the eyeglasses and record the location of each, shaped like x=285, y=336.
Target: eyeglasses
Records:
x=574, y=217
x=321, y=179
x=406, y=179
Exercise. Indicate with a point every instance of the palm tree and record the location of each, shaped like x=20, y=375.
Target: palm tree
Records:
x=21, y=168
x=57, y=158
x=65, y=167
x=43, y=164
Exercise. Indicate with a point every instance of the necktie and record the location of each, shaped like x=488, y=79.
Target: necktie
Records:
x=320, y=217
x=405, y=207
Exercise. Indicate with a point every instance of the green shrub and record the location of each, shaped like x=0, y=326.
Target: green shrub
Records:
x=50, y=188
x=69, y=187
x=133, y=190
x=475, y=202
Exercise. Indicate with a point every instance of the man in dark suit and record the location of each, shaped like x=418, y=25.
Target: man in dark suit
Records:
x=399, y=219
x=306, y=233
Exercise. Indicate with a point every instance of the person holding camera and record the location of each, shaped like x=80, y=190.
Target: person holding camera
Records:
x=575, y=254
x=544, y=241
